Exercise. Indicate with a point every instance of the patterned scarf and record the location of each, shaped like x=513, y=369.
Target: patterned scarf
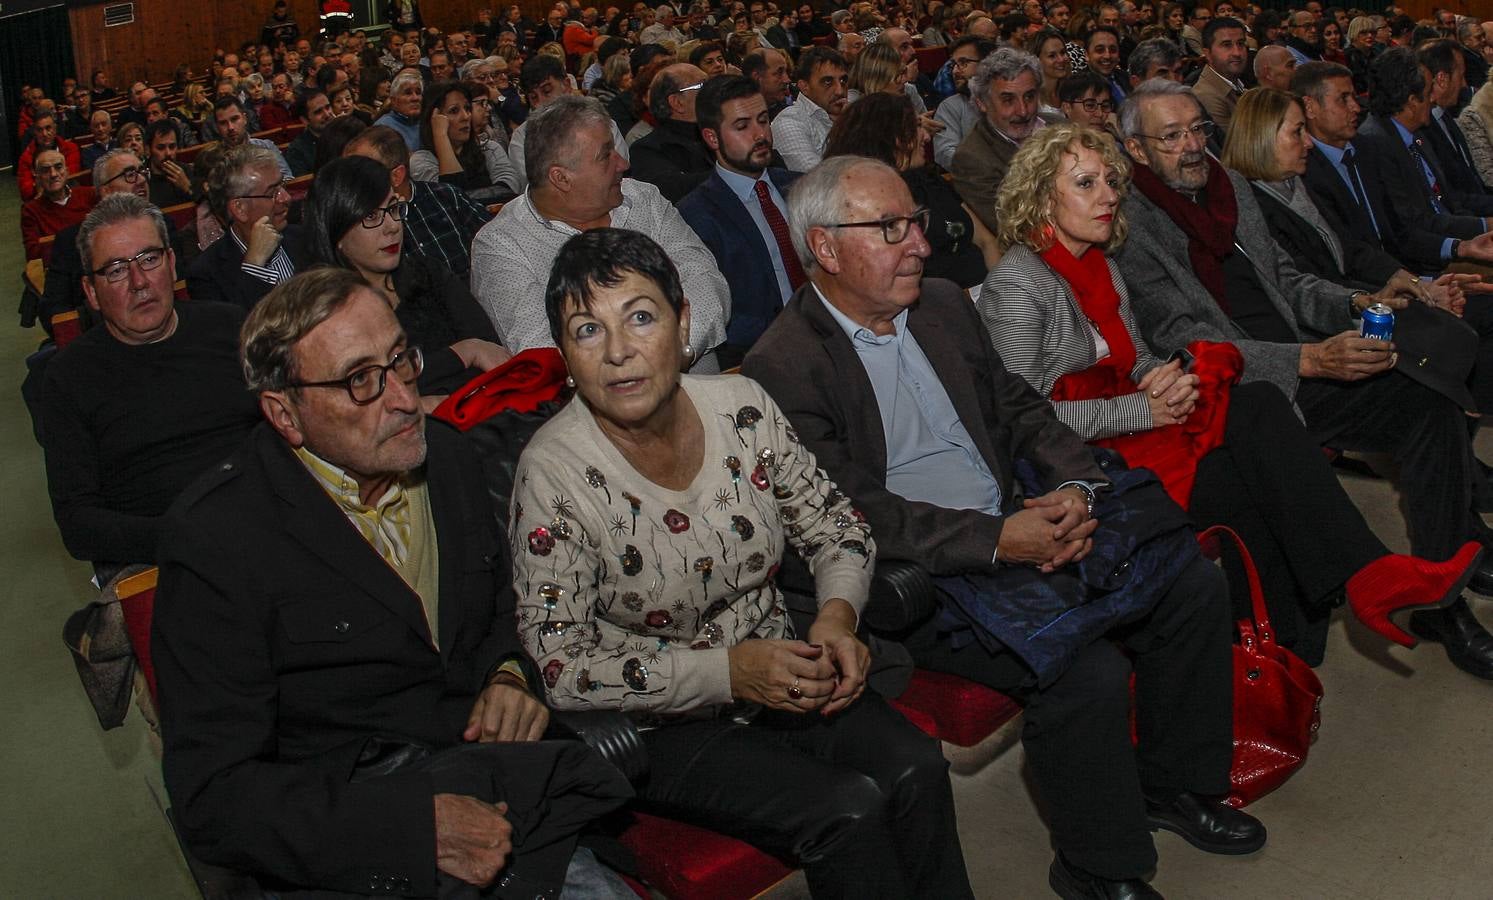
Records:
x=385, y=525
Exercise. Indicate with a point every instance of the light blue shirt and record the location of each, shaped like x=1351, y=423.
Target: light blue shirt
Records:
x=1335, y=156
x=1409, y=139
x=930, y=456
x=745, y=190
x=408, y=128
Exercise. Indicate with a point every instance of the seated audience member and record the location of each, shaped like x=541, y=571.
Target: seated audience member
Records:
x=156, y=110
x=277, y=110
x=131, y=137
x=373, y=91
x=741, y=211
x=169, y=182
x=1219, y=87
x=1445, y=69
x=958, y=113
x=1084, y=97
x=1051, y=48
x=850, y=46
x=1343, y=177
x=346, y=514
x=406, y=93
x=1476, y=123
x=314, y=111
x=77, y=122
x=543, y=80
x=233, y=132
x=58, y=205
x=441, y=221
x=1154, y=58
x=878, y=70
x=1059, y=316
x=44, y=137
x=1200, y=265
x=343, y=103
x=769, y=68
x=196, y=110
x=101, y=128
x=1005, y=88
x=799, y=132
x=900, y=40
x=140, y=92
x=259, y=250
x=857, y=794
x=454, y=153
x=1274, y=65
x=925, y=439
x=135, y=410
x=673, y=157
x=885, y=127
x=1102, y=50
x=355, y=221
x=576, y=182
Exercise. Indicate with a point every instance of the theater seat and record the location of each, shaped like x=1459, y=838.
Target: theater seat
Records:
x=137, y=600
x=66, y=326
x=684, y=862
x=954, y=709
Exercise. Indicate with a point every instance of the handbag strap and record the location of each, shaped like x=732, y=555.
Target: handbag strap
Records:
x=1262, y=627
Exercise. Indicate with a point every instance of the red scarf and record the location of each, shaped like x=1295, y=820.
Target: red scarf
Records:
x=1093, y=286
x=1208, y=224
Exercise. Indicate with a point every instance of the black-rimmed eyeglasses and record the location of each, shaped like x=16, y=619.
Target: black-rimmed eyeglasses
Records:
x=398, y=209
x=131, y=175
x=894, y=229
x=367, y=384
x=273, y=193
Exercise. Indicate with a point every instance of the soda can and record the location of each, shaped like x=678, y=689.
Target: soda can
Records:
x=1378, y=323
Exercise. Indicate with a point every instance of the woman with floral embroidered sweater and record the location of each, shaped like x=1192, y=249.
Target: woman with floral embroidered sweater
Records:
x=648, y=522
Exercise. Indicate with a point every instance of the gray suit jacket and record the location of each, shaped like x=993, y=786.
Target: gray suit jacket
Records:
x=1039, y=332
x=980, y=165
x=1175, y=309
x=808, y=365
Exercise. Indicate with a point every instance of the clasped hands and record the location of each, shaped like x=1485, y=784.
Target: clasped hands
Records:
x=1049, y=532
x=1171, y=393
x=825, y=673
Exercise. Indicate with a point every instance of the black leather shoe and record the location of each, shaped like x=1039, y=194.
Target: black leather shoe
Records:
x=1482, y=579
x=1075, y=884
x=1207, y=824
x=1468, y=645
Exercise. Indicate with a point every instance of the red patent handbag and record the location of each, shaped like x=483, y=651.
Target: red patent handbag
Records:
x=1277, y=697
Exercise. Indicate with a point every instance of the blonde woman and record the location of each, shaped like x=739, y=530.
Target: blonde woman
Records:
x=1058, y=314
x=878, y=69
x=1477, y=126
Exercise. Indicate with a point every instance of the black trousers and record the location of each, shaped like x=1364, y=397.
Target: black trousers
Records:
x=1423, y=431
x=1479, y=314
x=860, y=799
x=1077, y=731
x=1270, y=483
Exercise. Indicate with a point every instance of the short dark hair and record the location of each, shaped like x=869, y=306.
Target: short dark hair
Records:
x=1072, y=88
x=1214, y=26
x=1439, y=56
x=384, y=141
x=716, y=93
x=704, y=49
x=304, y=97
x=1393, y=80
x=1088, y=39
x=1011, y=23
x=983, y=46
x=754, y=65
x=157, y=128
x=342, y=131
x=326, y=76
x=879, y=125
x=1401, y=25
x=343, y=192
x=601, y=258
x=814, y=57
x=1310, y=78
x=538, y=69
x=223, y=103
x=156, y=101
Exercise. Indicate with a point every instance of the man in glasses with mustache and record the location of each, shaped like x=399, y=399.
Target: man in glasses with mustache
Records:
x=740, y=212
x=138, y=407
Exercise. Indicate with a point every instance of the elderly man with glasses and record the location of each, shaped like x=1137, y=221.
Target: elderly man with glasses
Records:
x=673, y=157
x=135, y=409
x=259, y=250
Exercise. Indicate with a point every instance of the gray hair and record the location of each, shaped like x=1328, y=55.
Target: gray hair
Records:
x=404, y=78
x=112, y=210
x=549, y=135
x=664, y=9
x=1154, y=52
x=286, y=315
x=1003, y=64
x=818, y=199
x=230, y=178
x=1130, y=110
x=102, y=163
x=839, y=16
x=468, y=69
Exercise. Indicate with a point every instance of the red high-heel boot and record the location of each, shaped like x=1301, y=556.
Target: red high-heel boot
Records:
x=1397, y=584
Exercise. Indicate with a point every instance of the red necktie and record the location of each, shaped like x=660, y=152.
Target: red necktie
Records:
x=779, y=226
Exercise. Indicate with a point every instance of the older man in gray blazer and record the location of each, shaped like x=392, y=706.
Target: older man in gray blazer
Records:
x=1201, y=265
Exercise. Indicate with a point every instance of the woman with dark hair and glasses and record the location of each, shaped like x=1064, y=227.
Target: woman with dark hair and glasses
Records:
x=453, y=152
x=883, y=126
x=354, y=220
x=648, y=524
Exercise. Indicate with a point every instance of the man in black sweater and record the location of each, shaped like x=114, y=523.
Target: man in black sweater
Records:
x=134, y=411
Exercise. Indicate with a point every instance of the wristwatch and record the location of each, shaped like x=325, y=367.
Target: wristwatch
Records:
x=1354, y=311
x=1090, y=497
x=1456, y=248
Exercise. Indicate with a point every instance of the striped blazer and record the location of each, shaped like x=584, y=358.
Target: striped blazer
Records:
x=1040, y=333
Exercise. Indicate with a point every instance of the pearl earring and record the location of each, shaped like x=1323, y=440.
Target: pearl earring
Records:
x=570, y=381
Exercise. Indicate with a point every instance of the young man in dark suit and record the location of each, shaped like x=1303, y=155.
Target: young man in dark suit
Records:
x=741, y=210
x=335, y=599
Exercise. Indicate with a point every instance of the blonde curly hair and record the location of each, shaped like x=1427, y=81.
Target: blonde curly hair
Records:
x=1023, y=206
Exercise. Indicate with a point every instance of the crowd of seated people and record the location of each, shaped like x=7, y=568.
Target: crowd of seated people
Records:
x=991, y=283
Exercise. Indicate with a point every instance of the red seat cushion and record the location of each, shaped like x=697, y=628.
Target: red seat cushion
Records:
x=954, y=709
x=138, y=607
x=690, y=863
